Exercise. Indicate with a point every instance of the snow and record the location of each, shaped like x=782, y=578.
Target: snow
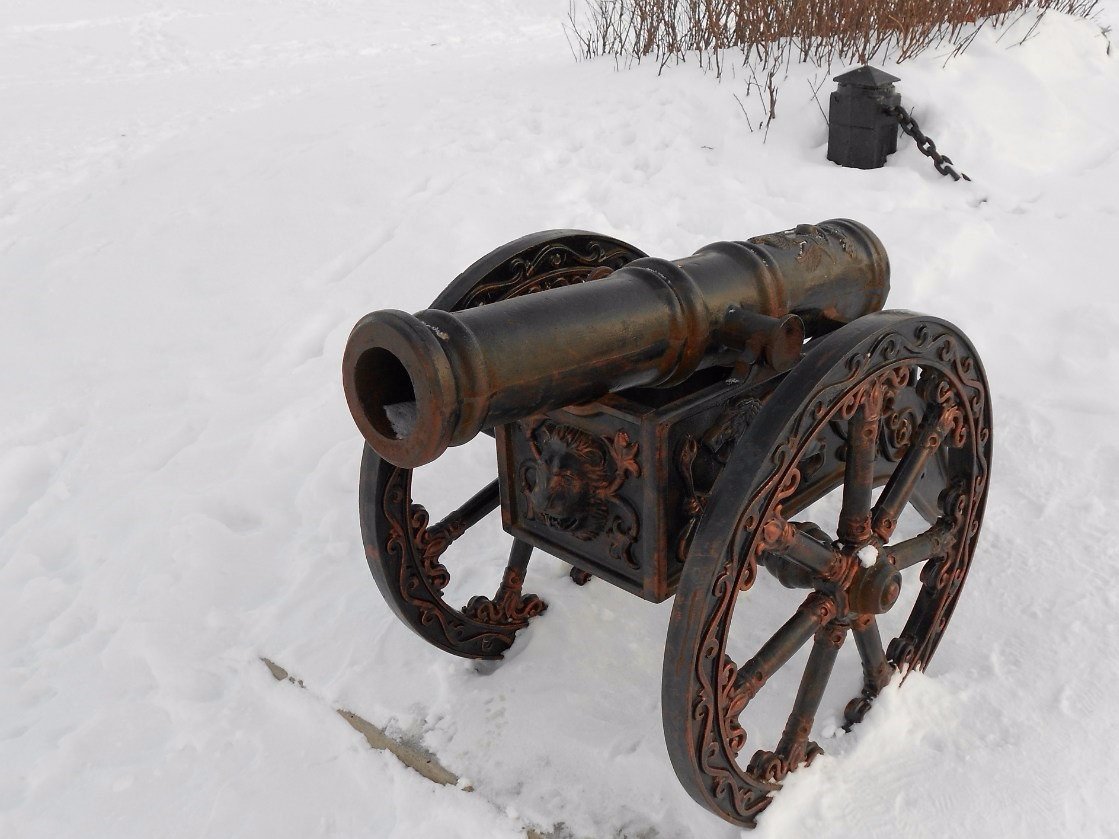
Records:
x=401, y=417
x=198, y=200
x=868, y=555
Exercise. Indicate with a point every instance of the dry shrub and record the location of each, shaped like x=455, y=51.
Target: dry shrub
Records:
x=768, y=36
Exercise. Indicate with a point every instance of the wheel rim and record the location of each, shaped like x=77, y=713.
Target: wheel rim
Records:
x=856, y=378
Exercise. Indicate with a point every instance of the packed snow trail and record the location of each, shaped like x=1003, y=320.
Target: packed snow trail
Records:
x=197, y=202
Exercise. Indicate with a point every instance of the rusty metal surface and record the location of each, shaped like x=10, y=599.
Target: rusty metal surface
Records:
x=614, y=488
x=405, y=553
x=416, y=384
x=873, y=367
x=691, y=486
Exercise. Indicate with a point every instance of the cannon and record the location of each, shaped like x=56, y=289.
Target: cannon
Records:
x=745, y=421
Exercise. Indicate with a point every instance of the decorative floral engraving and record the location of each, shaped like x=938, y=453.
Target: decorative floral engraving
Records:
x=411, y=551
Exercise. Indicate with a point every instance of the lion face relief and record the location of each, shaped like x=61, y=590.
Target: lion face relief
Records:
x=566, y=480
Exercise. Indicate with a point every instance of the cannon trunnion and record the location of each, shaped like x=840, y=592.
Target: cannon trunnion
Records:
x=679, y=428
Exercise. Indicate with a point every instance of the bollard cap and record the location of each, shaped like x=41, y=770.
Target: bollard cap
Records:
x=867, y=76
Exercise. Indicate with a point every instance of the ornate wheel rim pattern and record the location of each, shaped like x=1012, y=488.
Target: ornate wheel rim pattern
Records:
x=403, y=548
x=853, y=378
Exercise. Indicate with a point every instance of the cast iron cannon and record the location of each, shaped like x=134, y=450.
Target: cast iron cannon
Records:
x=659, y=425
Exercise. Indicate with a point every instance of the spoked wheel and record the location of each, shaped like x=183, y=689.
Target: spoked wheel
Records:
x=405, y=550
x=894, y=399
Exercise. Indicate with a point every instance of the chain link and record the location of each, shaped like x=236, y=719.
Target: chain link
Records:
x=925, y=145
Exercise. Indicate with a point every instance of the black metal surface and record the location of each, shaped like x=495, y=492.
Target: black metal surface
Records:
x=861, y=134
x=690, y=487
x=898, y=366
x=418, y=384
x=403, y=549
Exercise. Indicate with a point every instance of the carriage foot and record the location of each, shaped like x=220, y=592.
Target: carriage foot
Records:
x=774, y=766
x=579, y=576
x=856, y=710
x=509, y=607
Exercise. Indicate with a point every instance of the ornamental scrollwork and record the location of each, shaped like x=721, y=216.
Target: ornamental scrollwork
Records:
x=403, y=549
x=508, y=606
x=411, y=551
x=951, y=385
x=553, y=265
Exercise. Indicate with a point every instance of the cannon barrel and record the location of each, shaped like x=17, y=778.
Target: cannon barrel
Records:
x=417, y=384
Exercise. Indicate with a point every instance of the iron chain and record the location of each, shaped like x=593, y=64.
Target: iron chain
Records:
x=925, y=145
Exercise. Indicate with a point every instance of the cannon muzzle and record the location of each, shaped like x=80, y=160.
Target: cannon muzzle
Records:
x=417, y=384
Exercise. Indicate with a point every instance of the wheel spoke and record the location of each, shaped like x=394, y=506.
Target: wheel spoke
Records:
x=790, y=574
x=902, y=482
x=868, y=641
x=815, y=611
x=480, y=505
x=876, y=669
x=806, y=549
x=858, y=472
x=933, y=542
x=817, y=673
x=794, y=747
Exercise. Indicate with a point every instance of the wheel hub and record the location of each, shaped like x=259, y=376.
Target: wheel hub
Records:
x=874, y=589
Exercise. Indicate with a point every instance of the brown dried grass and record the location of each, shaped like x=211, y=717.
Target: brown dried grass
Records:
x=768, y=36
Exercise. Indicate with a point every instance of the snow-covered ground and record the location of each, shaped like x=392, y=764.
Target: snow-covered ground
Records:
x=197, y=200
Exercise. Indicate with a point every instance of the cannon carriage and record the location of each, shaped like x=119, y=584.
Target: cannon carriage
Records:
x=662, y=425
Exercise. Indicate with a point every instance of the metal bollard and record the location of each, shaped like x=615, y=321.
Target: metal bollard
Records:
x=861, y=133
